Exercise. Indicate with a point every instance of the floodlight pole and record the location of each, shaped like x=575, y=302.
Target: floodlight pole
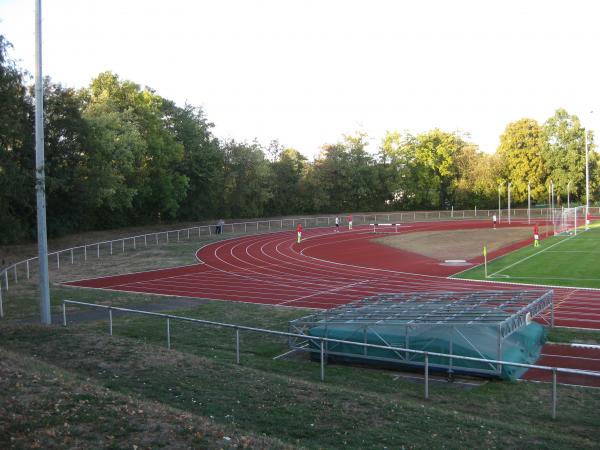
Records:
x=499, y=210
x=587, y=181
x=529, y=203
x=569, y=195
x=40, y=184
x=509, y=185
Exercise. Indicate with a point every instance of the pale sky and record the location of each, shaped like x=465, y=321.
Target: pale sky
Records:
x=306, y=72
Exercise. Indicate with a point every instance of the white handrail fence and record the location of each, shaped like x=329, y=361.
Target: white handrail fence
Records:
x=321, y=344
x=27, y=268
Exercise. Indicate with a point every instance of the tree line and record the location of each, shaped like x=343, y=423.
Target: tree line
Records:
x=119, y=154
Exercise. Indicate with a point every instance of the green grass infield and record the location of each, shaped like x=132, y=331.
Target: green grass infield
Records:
x=563, y=260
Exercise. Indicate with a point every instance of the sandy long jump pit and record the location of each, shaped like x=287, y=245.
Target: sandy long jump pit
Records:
x=456, y=244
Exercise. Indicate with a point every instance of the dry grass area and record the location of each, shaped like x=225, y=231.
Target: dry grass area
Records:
x=456, y=244
x=47, y=407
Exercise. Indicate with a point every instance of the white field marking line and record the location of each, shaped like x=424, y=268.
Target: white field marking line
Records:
x=272, y=271
x=544, y=278
x=571, y=251
x=511, y=283
x=197, y=298
x=592, y=346
x=532, y=255
x=328, y=291
x=293, y=263
x=249, y=274
x=257, y=288
x=129, y=273
x=582, y=358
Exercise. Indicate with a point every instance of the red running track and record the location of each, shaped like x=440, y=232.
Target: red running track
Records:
x=327, y=270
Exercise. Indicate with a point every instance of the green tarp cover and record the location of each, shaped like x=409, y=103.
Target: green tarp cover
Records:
x=522, y=346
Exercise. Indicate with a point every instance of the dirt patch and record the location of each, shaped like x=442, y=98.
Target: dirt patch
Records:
x=456, y=244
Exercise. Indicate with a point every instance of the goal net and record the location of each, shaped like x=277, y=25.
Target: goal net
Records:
x=568, y=220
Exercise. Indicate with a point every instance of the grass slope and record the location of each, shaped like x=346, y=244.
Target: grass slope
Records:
x=559, y=261
x=283, y=399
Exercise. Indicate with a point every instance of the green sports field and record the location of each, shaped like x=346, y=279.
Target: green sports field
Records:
x=558, y=261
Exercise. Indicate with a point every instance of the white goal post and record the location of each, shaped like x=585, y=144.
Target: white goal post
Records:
x=568, y=220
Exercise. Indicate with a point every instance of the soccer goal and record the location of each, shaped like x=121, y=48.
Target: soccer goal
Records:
x=568, y=220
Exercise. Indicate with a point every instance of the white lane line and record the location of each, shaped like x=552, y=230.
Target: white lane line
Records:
x=532, y=255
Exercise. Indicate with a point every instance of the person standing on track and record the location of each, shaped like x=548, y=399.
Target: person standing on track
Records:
x=299, y=230
x=536, y=236
x=494, y=220
x=337, y=224
x=350, y=222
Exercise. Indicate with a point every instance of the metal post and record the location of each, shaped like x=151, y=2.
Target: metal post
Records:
x=16, y=276
x=587, y=181
x=155, y=235
x=168, y=334
x=85, y=252
x=188, y=234
x=509, y=185
x=322, y=361
x=568, y=194
x=98, y=249
x=64, y=311
x=499, y=210
x=110, y=321
x=72, y=260
x=57, y=263
x=145, y=241
x=40, y=182
x=426, y=376
x=475, y=211
x=27, y=266
x=529, y=203
x=167, y=233
x=552, y=314
x=1, y=306
x=134, y=247
x=6, y=278
x=123, y=244
x=237, y=345
x=554, y=392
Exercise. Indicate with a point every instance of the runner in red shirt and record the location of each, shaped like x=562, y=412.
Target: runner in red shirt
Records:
x=536, y=236
x=350, y=222
x=299, y=230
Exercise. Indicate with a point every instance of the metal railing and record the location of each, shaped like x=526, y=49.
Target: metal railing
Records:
x=320, y=342
x=26, y=268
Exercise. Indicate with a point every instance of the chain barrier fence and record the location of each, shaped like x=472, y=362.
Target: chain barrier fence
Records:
x=320, y=346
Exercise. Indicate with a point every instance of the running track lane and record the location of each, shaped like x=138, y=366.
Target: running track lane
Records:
x=326, y=270
x=331, y=269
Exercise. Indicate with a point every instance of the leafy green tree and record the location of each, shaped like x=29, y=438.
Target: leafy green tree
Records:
x=521, y=154
x=287, y=187
x=347, y=176
x=66, y=139
x=159, y=186
x=245, y=180
x=17, y=164
x=406, y=178
x=202, y=162
x=564, y=153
